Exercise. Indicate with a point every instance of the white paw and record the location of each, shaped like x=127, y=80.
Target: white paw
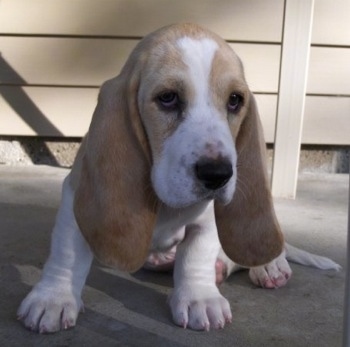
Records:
x=199, y=307
x=49, y=309
x=273, y=275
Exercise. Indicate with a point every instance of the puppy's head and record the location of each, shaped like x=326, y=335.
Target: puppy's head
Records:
x=178, y=125
x=192, y=96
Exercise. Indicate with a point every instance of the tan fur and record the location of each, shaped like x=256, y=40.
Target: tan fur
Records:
x=248, y=228
x=115, y=205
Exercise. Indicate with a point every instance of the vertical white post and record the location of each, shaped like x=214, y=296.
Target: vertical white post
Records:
x=346, y=319
x=291, y=97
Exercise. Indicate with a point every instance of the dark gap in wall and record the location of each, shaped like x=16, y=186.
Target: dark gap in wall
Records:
x=321, y=158
x=52, y=151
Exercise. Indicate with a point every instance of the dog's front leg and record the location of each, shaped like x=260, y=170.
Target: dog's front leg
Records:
x=55, y=301
x=196, y=301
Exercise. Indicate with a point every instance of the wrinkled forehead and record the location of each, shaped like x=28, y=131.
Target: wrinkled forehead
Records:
x=194, y=58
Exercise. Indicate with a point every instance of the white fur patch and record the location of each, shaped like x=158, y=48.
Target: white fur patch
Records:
x=203, y=133
x=198, y=55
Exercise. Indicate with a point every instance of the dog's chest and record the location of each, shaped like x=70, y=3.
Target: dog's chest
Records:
x=171, y=223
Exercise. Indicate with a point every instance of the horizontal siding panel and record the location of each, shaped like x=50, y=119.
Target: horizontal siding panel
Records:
x=62, y=61
x=261, y=66
x=267, y=106
x=232, y=19
x=86, y=62
x=331, y=22
x=67, y=112
x=327, y=121
x=329, y=71
x=46, y=111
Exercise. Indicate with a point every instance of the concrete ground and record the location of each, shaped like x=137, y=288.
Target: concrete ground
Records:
x=131, y=310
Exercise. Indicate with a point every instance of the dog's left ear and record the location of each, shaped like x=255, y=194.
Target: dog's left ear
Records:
x=248, y=228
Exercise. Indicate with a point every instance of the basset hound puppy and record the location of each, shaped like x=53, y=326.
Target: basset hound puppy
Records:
x=171, y=173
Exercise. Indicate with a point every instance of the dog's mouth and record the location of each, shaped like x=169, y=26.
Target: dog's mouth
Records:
x=222, y=195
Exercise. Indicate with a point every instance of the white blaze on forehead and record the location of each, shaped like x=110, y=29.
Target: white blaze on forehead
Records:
x=198, y=55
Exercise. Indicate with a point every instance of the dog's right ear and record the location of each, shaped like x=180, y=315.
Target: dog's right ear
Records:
x=115, y=206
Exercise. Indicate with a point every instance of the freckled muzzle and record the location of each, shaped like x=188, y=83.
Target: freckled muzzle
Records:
x=213, y=173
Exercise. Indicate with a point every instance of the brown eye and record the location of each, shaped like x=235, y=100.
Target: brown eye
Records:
x=235, y=102
x=169, y=100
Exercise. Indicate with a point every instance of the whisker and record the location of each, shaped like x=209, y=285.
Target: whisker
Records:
x=240, y=187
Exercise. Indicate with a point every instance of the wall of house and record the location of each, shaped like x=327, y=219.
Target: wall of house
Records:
x=54, y=55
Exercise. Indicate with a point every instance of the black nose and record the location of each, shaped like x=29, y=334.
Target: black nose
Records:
x=214, y=174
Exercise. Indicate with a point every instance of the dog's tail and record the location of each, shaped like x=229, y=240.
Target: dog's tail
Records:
x=302, y=257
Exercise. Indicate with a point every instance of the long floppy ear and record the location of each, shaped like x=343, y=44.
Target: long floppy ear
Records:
x=114, y=205
x=248, y=228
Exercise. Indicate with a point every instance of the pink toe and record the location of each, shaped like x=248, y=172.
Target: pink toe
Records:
x=221, y=271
